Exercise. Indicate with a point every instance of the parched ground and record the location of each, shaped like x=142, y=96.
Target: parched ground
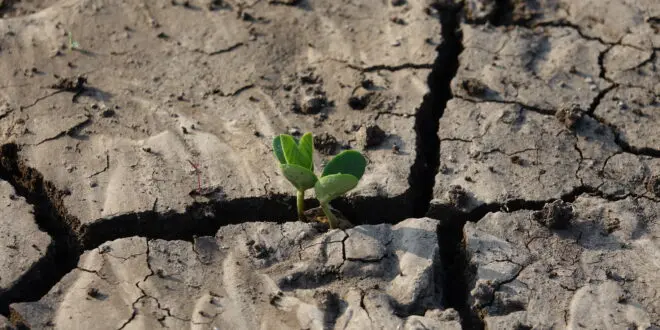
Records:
x=513, y=177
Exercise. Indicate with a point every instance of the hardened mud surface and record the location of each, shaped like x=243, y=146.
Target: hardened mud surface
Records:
x=512, y=179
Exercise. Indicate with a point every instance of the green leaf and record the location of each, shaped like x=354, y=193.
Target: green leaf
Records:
x=290, y=148
x=347, y=162
x=300, y=177
x=277, y=149
x=306, y=147
x=293, y=154
x=332, y=186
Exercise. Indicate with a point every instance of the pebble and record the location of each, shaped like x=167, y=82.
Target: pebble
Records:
x=621, y=105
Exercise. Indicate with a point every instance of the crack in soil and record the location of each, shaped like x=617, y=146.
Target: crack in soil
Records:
x=542, y=111
x=599, y=97
x=62, y=256
x=455, y=261
x=221, y=51
x=453, y=265
x=393, y=68
x=625, y=146
x=71, y=238
x=72, y=131
x=107, y=167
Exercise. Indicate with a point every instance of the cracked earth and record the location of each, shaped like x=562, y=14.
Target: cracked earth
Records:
x=513, y=177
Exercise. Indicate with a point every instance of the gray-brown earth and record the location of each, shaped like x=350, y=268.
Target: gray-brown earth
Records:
x=25, y=250
x=138, y=189
x=255, y=276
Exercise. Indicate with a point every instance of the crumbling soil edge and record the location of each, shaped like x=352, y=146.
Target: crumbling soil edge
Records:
x=65, y=249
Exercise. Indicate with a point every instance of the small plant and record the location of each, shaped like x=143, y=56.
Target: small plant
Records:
x=295, y=157
x=73, y=45
x=339, y=176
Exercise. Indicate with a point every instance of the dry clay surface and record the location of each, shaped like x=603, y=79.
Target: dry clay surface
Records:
x=122, y=120
x=24, y=249
x=599, y=272
x=533, y=120
x=255, y=276
x=558, y=104
x=167, y=84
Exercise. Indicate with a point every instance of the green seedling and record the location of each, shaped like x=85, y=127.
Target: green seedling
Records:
x=339, y=176
x=295, y=157
x=72, y=43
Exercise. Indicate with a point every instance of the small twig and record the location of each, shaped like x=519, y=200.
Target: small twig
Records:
x=199, y=178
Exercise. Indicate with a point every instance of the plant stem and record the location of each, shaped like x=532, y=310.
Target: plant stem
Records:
x=332, y=221
x=300, y=199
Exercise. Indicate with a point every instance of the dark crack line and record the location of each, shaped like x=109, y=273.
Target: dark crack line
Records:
x=454, y=139
x=7, y=113
x=531, y=240
x=133, y=314
x=599, y=97
x=514, y=205
x=123, y=259
x=651, y=59
x=107, y=166
x=39, y=99
x=500, y=151
x=389, y=113
x=566, y=24
x=543, y=111
x=644, y=151
x=601, y=173
x=601, y=64
x=364, y=307
x=221, y=51
x=97, y=274
x=498, y=284
x=215, y=316
x=579, y=151
x=385, y=255
x=70, y=131
x=234, y=93
x=450, y=231
x=145, y=295
x=322, y=243
x=383, y=67
x=343, y=251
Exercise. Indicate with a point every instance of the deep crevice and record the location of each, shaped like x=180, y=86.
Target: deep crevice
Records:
x=422, y=178
x=62, y=256
x=450, y=231
x=503, y=13
x=455, y=270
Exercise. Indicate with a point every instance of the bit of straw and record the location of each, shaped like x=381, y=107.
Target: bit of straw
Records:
x=199, y=178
